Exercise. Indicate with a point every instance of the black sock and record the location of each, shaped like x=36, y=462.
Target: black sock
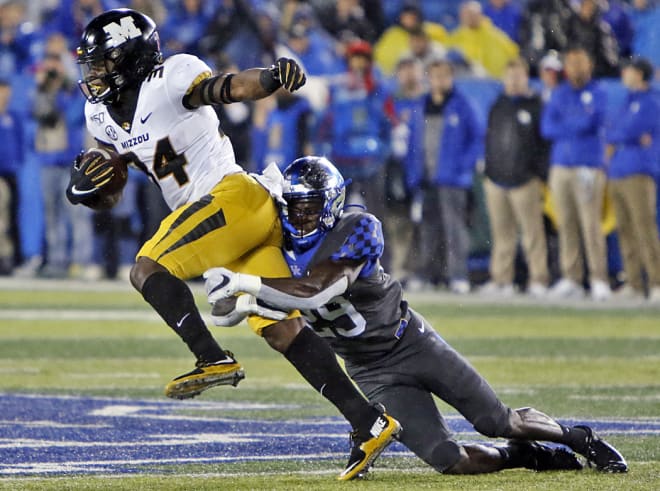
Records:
x=316, y=362
x=514, y=456
x=174, y=302
x=576, y=438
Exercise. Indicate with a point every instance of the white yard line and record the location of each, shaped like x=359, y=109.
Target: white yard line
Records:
x=439, y=297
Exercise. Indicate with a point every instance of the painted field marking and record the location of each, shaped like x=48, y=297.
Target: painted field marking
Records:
x=51, y=434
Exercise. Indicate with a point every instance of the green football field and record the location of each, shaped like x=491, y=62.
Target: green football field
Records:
x=83, y=368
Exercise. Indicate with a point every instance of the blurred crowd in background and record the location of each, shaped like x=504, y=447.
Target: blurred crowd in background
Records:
x=508, y=146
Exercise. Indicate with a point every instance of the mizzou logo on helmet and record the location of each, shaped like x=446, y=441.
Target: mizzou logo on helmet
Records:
x=122, y=32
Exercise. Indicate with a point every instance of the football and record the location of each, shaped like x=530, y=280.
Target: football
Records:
x=118, y=163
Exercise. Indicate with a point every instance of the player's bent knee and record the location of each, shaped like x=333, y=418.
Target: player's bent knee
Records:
x=142, y=269
x=280, y=335
x=446, y=457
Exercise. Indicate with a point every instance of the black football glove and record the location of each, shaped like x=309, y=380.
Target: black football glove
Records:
x=289, y=73
x=89, y=173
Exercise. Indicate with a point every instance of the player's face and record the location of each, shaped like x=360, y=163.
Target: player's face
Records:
x=93, y=76
x=304, y=214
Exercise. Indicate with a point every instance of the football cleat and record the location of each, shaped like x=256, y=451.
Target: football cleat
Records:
x=601, y=455
x=539, y=457
x=365, y=449
x=205, y=376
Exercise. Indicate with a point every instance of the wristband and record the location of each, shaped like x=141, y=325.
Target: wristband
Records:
x=248, y=283
x=268, y=80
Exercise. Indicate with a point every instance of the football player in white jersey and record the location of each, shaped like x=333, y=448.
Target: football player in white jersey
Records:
x=156, y=113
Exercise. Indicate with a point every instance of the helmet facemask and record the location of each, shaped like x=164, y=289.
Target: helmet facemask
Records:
x=99, y=81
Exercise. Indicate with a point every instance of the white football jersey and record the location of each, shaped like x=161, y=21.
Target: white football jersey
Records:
x=181, y=149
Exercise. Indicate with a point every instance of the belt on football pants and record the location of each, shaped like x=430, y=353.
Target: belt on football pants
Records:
x=405, y=320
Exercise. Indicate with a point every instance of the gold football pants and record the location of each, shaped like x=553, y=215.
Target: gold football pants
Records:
x=236, y=226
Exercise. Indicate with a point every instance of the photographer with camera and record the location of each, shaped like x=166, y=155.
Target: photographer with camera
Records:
x=58, y=110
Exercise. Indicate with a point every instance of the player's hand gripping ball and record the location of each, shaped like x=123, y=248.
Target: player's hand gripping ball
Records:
x=98, y=176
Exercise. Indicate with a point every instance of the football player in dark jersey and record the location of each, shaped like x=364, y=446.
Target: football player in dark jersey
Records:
x=392, y=353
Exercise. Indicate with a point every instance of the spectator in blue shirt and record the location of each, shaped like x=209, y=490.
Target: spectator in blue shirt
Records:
x=355, y=128
x=314, y=49
x=506, y=15
x=285, y=136
x=445, y=141
x=617, y=14
x=409, y=90
x=184, y=27
x=646, y=41
x=58, y=110
x=633, y=139
x=70, y=17
x=11, y=148
x=573, y=120
x=18, y=40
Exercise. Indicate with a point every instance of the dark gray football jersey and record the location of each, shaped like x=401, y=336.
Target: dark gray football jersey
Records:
x=364, y=323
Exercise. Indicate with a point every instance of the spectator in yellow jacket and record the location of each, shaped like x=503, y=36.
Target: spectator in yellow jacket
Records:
x=395, y=41
x=486, y=47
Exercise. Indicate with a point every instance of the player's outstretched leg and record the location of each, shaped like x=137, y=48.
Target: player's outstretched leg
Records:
x=366, y=447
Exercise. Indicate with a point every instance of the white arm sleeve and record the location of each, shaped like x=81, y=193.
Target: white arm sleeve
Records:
x=285, y=301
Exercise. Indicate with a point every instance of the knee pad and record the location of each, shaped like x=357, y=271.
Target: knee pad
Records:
x=444, y=455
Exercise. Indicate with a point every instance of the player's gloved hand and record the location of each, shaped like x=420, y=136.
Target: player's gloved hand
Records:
x=228, y=312
x=289, y=73
x=89, y=173
x=224, y=283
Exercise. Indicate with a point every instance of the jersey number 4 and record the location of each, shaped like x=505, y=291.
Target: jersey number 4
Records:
x=166, y=162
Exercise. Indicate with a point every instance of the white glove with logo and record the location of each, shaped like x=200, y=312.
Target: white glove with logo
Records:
x=224, y=283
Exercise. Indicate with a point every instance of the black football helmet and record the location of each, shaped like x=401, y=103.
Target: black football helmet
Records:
x=118, y=49
x=314, y=192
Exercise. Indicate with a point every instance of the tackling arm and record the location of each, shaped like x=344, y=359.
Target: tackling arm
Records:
x=324, y=282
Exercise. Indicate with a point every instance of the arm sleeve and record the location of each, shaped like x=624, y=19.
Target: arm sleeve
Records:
x=286, y=301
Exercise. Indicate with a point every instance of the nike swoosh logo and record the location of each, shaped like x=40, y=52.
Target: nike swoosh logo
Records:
x=421, y=328
x=81, y=192
x=225, y=280
x=144, y=120
x=178, y=324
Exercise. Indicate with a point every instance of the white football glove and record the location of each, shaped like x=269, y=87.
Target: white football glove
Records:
x=224, y=315
x=224, y=283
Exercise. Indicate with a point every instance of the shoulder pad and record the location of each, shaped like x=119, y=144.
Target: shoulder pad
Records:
x=182, y=72
x=363, y=237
